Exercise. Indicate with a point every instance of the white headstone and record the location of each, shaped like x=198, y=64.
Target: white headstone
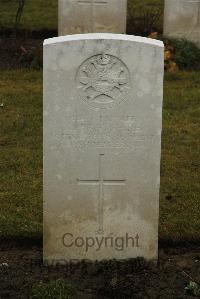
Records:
x=182, y=19
x=88, y=16
x=102, y=142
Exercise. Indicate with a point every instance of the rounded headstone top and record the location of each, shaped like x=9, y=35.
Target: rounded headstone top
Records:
x=103, y=36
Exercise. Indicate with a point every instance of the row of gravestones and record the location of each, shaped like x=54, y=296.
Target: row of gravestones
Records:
x=102, y=137
x=181, y=17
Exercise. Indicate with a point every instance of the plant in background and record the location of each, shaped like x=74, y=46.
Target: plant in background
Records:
x=31, y=57
x=193, y=288
x=186, y=54
x=179, y=54
x=170, y=64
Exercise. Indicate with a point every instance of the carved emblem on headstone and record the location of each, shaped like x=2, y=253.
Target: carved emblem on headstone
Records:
x=103, y=81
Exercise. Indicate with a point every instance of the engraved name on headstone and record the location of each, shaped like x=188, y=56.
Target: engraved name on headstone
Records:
x=87, y=16
x=102, y=141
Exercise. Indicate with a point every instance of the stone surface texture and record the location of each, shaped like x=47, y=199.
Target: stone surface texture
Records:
x=88, y=16
x=102, y=141
x=182, y=19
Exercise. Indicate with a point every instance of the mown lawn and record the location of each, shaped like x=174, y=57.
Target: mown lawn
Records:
x=21, y=155
x=21, y=152
x=43, y=14
x=37, y=14
x=180, y=177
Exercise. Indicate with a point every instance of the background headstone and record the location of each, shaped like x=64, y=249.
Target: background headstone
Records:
x=87, y=16
x=182, y=19
x=102, y=142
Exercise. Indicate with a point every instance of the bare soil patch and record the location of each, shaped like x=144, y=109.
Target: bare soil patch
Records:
x=22, y=267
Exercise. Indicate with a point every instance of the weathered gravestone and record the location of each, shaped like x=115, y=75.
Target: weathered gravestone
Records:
x=102, y=141
x=87, y=16
x=182, y=19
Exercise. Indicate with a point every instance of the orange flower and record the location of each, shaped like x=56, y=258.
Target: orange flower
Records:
x=168, y=55
x=172, y=67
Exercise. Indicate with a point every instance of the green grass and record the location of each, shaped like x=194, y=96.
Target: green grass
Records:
x=180, y=189
x=37, y=14
x=43, y=14
x=58, y=289
x=21, y=152
x=21, y=155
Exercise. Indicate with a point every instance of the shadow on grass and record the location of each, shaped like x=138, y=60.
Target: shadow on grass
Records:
x=24, y=242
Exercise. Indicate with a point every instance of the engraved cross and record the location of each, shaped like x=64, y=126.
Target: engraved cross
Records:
x=101, y=183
